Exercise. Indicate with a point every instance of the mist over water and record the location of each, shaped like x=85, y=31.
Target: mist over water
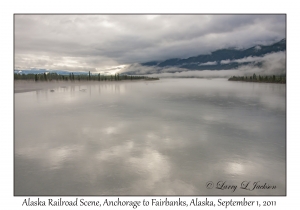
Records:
x=165, y=137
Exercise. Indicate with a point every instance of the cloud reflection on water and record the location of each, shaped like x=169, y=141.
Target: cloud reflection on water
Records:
x=165, y=138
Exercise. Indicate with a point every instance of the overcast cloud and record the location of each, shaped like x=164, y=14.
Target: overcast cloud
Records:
x=110, y=42
x=273, y=63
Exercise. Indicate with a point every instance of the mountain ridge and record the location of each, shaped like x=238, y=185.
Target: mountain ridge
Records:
x=221, y=59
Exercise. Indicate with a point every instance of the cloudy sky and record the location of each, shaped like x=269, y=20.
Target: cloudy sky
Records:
x=100, y=43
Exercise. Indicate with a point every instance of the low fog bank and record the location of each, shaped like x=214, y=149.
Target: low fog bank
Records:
x=273, y=63
x=21, y=86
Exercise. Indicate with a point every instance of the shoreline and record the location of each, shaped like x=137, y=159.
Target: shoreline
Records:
x=264, y=82
x=279, y=79
x=22, y=86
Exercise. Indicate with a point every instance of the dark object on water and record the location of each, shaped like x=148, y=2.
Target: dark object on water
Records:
x=51, y=90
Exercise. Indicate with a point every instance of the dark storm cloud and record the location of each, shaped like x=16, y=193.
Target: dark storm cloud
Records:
x=101, y=42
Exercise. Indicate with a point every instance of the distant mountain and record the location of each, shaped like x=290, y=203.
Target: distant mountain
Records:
x=42, y=71
x=222, y=59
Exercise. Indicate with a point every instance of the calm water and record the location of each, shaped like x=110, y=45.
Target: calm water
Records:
x=166, y=137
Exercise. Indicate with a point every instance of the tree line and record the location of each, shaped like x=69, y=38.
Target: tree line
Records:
x=259, y=78
x=81, y=77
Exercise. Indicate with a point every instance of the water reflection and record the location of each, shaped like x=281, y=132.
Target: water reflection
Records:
x=167, y=137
